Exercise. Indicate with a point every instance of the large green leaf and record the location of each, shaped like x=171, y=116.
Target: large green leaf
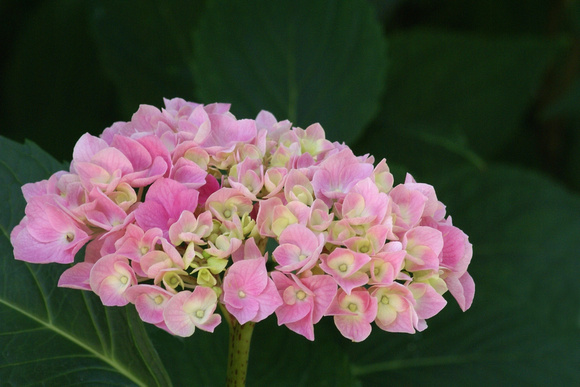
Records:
x=145, y=48
x=198, y=360
x=281, y=357
x=278, y=357
x=523, y=327
x=308, y=61
x=55, y=336
x=456, y=94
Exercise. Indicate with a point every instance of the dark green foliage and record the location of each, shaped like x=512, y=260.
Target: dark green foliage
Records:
x=480, y=99
x=308, y=61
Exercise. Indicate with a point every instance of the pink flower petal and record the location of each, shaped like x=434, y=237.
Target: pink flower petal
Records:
x=149, y=300
x=462, y=289
x=353, y=313
x=110, y=277
x=187, y=310
x=76, y=277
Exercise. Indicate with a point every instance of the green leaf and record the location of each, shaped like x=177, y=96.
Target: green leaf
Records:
x=200, y=359
x=145, y=47
x=458, y=95
x=56, y=336
x=278, y=356
x=306, y=61
x=523, y=327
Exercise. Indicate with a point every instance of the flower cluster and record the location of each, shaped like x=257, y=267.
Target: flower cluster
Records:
x=186, y=208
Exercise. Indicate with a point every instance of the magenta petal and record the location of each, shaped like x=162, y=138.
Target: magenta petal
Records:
x=211, y=323
x=76, y=277
x=252, y=275
x=269, y=301
x=187, y=310
x=395, y=308
x=457, y=251
x=112, y=160
x=189, y=173
x=303, y=327
x=248, y=292
x=353, y=281
x=152, y=215
x=249, y=251
x=176, y=318
x=404, y=323
x=351, y=328
x=429, y=302
x=292, y=313
x=29, y=249
x=353, y=313
x=110, y=277
x=135, y=152
x=324, y=288
x=462, y=289
x=247, y=310
x=149, y=301
x=164, y=203
x=87, y=146
x=287, y=254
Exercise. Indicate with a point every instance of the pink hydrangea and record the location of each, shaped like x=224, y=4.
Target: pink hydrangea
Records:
x=48, y=233
x=110, y=277
x=165, y=202
x=306, y=300
x=353, y=313
x=249, y=294
x=299, y=249
x=188, y=310
x=179, y=206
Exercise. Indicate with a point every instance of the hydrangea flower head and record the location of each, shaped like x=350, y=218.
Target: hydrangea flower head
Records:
x=185, y=208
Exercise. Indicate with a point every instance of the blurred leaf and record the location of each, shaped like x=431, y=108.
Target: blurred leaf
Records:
x=384, y=9
x=198, y=360
x=488, y=16
x=456, y=94
x=54, y=91
x=572, y=11
x=574, y=157
x=278, y=357
x=307, y=61
x=561, y=143
x=567, y=105
x=281, y=357
x=524, y=327
x=55, y=336
x=145, y=47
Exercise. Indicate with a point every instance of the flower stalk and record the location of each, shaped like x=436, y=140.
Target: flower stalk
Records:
x=239, y=353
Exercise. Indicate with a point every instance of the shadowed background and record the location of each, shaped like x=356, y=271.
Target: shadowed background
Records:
x=480, y=99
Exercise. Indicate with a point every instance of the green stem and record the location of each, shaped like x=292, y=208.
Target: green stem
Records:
x=239, y=352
